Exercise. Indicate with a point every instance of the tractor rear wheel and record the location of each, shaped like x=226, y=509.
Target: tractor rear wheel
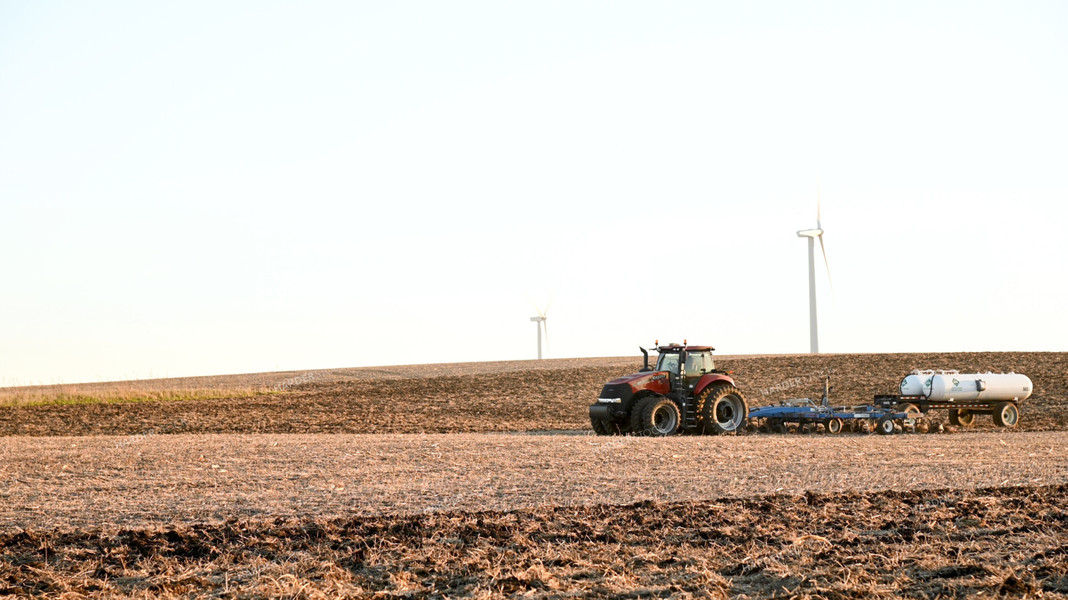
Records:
x=722, y=409
x=961, y=417
x=1006, y=414
x=655, y=416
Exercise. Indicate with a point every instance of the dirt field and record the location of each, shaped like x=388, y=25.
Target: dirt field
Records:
x=158, y=480
x=322, y=484
x=946, y=544
x=482, y=397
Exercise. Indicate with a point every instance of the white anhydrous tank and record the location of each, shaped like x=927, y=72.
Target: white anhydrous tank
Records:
x=951, y=385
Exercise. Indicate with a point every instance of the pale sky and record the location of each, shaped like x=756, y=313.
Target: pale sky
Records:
x=221, y=187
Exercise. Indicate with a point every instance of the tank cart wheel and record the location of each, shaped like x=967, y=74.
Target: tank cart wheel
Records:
x=656, y=416
x=885, y=426
x=912, y=412
x=723, y=410
x=1006, y=414
x=961, y=417
x=834, y=426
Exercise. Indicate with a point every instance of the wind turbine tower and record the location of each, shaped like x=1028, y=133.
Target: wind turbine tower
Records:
x=541, y=321
x=812, y=234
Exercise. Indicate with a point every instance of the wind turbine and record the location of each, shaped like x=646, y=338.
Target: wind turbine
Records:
x=540, y=320
x=812, y=234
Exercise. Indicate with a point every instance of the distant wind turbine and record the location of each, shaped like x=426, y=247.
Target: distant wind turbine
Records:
x=812, y=234
x=541, y=321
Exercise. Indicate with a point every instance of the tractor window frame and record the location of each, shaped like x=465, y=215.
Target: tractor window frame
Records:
x=660, y=362
x=697, y=361
x=710, y=363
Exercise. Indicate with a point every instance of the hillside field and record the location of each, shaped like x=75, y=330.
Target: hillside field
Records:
x=483, y=480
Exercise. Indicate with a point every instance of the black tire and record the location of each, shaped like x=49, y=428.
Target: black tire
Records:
x=1006, y=414
x=776, y=426
x=721, y=409
x=961, y=417
x=655, y=416
x=834, y=426
x=885, y=426
x=602, y=427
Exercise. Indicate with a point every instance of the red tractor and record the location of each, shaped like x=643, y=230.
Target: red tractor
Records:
x=684, y=393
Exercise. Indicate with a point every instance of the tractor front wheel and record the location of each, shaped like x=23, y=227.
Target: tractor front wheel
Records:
x=601, y=427
x=722, y=409
x=656, y=416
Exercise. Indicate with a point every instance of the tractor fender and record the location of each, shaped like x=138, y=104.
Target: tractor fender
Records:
x=709, y=380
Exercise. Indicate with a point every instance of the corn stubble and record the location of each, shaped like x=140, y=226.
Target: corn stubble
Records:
x=951, y=543
x=162, y=510
x=481, y=397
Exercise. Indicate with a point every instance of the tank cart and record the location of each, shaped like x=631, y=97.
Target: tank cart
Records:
x=964, y=395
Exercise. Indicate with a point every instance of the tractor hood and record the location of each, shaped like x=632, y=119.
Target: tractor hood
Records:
x=639, y=381
x=637, y=377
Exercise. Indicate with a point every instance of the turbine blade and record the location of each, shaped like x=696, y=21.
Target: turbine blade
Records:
x=541, y=313
x=825, y=263
x=818, y=225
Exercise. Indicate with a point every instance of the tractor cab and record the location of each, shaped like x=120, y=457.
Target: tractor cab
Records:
x=696, y=362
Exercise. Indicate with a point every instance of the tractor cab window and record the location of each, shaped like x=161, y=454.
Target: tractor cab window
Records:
x=699, y=363
x=695, y=363
x=668, y=362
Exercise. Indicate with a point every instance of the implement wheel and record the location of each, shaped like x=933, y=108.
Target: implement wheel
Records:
x=961, y=417
x=656, y=416
x=911, y=412
x=885, y=426
x=721, y=409
x=834, y=426
x=1006, y=414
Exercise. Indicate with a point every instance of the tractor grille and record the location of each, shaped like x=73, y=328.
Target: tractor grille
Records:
x=619, y=390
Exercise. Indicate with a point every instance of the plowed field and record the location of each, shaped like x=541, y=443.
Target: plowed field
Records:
x=484, y=397
x=949, y=544
x=440, y=481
